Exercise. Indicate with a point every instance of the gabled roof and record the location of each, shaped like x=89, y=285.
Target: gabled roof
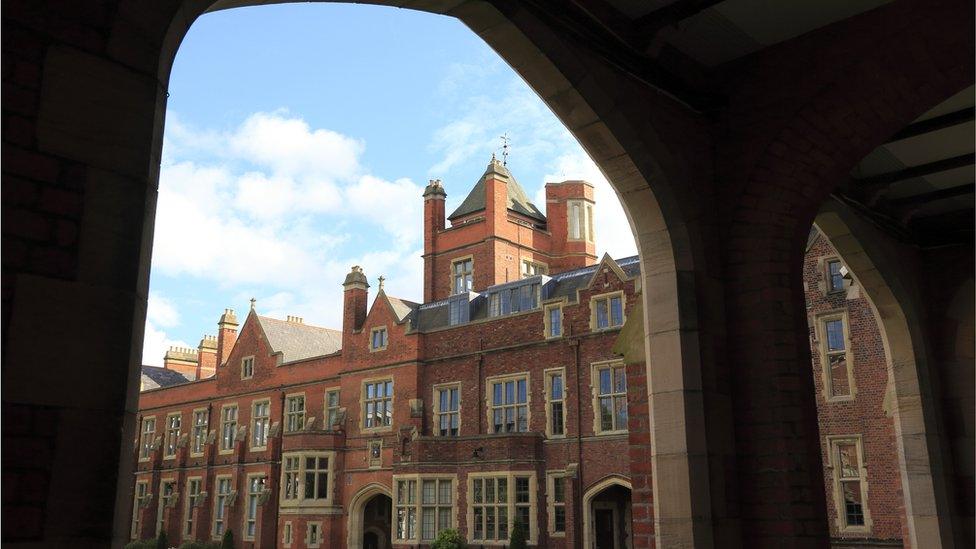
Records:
x=518, y=201
x=298, y=341
x=401, y=307
x=154, y=377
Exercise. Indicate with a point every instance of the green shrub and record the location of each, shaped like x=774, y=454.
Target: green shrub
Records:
x=449, y=539
x=141, y=544
x=518, y=541
x=200, y=545
x=228, y=540
x=161, y=541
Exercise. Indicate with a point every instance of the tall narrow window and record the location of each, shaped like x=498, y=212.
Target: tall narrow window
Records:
x=173, y=422
x=378, y=404
x=553, y=321
x=838, y=374
x=192, y=500
x=378, y=339
x=575, y=221
x=147, y=437
x=166, y=490
x=611, y=397
x=462, y=275
x=286, y=537
x=291, y=478
x=260, y=418
x=835, y=279
x=850, y=484
x=313, y=534
x=607, y=311
x=200, y=421
x=406, y=499
x=557, y=504
x=331, y=409
x=228, y=427
x=555, y=403
x=589, y=223
x=509, y=410
x=247, y=367
x=447, y=414
x=255, y=485
x=295, y=413
x=220, y=506
x=142, y=490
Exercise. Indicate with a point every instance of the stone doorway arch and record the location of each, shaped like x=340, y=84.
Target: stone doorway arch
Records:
x=618, y=512
x=356, y=528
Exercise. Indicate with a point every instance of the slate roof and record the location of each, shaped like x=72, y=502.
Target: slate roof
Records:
x=401, y=307
x=518, y=201
x=154, y=377
x=434, y=315
x=297, y=341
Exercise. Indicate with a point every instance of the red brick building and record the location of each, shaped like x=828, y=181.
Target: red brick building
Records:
x=500, y=398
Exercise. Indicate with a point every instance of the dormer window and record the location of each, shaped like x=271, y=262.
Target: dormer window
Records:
x=513, y=299
x=462, y=271
x=459, y=309
x=378, y=339
x=607, y=311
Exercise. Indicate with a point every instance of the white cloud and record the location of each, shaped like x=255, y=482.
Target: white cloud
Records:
x=161, y=311
x=156, y=343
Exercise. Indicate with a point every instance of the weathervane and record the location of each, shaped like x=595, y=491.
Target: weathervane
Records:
x=505, y=142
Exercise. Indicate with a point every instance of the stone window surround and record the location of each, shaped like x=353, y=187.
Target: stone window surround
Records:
x=501, y=378
x=308, y=534
x=193, y=431
x=244, y=369
x=831, y=443
x=607, y=296
x=820, y=333
x=546, y=323
x=418, y=505
x=287, y=534
x=288, y=414
x=302, y=505
x=237, y=424
x=530, y=261
x=547, y=374
x=166, y=433
x=586, y=213
x=362, y=407
x=551, y=475
x=531, y=528
x=386, y=339
x=325, y=406
x=257, y=510
x=187, y=507
x=459, y=260
x=163, y=503
x=142, y=437
x=436, y=403
x=213, y=527
x=136, y=501
x=253, y=419
x=595, y=368
x=825, y=269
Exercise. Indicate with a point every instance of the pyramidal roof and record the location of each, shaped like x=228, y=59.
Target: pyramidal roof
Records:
x=518, y=201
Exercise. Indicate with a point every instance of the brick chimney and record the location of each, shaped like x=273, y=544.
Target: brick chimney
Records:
x=569, y=209
x=434, y=196
x=226, y=335
x=354, y=301
x=207, y=353
x=496, y=196
x=182, y=360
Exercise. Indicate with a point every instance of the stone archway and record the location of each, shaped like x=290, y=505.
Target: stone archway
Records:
x=886, y=283
x=356, y=526
x=618, y=512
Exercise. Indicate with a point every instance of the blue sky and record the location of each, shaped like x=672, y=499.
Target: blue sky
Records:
x=298, y=141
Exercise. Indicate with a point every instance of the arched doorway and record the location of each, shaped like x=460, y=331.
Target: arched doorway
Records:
x=370, y=518
x=607, y=515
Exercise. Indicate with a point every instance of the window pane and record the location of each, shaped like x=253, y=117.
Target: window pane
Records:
x=443, y=518
x=521, y=391
x=601, y=314
x=429, y=492
x=455, y=400
x=502, y=524
x=496, y=393
x=502, y=490
x=853, y=507
x=835, y=335
x=478, y=493
x=427, y=523
x=521, y=490
x=509, y=392
x=840, y=384
x=557, y=418
x=605, y=381
x=444, y=492
x=847, y=452
x=606, y=414
x=621, y=410
x=557, y=387
x=558, y=489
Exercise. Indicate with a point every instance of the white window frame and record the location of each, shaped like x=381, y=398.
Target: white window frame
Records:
x=189, y=502
x=247, y=367
x=300, y=503
x=198, y=432
x=833, y=443
x=438, y=412
x=295, y=419
x=388, y=400
x=139, y=494
x=254, y=425
x=220, y=498
x=825, y=354
x=248, y=495
x=328, y=423
x=464, y=274
x=223, y=427
x=384, y=337
x=417, y=506
x=547, y=321
x=548, y=374
x=510, y=505
x=595, y=369
x=489, y=400
x=171, y=440
x=552, y=504
x=147, y=438
x=608, y=299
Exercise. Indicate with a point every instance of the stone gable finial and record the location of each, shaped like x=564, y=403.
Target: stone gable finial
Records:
x=382, y=279
x=253, y=302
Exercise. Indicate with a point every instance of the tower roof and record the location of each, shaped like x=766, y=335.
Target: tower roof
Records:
x=518, y=201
